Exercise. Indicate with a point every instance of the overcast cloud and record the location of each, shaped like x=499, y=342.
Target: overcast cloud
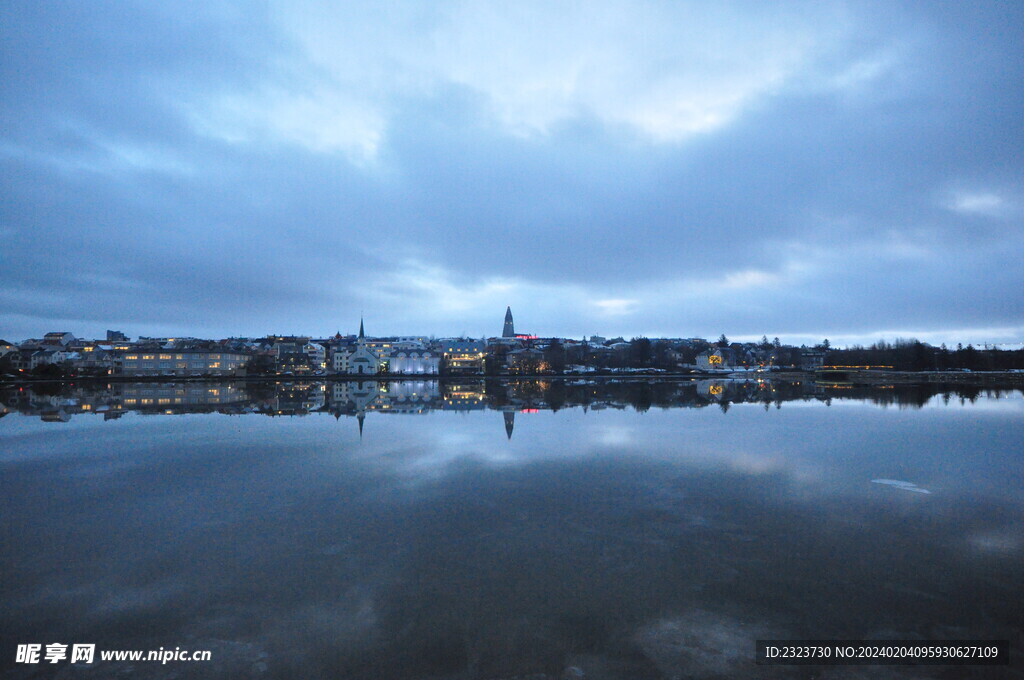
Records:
x=845, y=170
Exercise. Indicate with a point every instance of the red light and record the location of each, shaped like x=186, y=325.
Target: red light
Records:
x=530, y=410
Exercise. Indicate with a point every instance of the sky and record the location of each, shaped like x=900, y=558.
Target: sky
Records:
x=806, y=170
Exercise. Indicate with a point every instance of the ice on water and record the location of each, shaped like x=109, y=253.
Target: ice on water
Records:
x=900, y=484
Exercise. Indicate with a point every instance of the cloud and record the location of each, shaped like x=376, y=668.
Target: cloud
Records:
x=619, y=168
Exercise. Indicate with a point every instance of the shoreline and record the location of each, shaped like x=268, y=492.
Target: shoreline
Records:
x=854, y=377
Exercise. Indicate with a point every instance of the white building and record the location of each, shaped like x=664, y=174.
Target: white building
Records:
x=413, y=362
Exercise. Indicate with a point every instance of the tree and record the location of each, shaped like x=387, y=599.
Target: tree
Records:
x=640, y=351
x=723, y=341
x=554, y=355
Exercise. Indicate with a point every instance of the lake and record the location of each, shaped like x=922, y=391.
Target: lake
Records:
x=506, y=529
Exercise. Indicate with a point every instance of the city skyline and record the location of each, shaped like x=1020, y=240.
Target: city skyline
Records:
x=843, y=170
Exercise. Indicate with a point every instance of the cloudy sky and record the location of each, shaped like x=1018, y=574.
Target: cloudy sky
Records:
x=847, y=170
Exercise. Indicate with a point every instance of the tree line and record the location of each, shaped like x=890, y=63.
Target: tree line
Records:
x=914, y=355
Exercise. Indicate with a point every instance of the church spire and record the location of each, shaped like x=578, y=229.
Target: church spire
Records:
x=361, y=334
x=509, y=330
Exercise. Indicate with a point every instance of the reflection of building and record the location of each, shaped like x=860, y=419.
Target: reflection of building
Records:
x=178, y=396
x=414, y=396
x=298, y=400
x=463, y=397
x=712, y=390
x=510, y=422
x=391, y=396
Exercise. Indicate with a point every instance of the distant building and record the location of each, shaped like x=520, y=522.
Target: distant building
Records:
x=412, y=362
x=464, y=356
x=42, y=357
x=291, y=356
x=180, y=362
x=60, y=338
x=716, y=357
x=317, y=354
x=509, y=330
x=526, y=361
x=811, y=359
x=362, y=360
x=116, y=336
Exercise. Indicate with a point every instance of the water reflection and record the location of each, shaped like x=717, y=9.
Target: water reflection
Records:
x=622, y=529
x=59, y=402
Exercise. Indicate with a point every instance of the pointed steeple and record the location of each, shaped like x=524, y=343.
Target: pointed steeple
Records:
x=510, y=422
x=509, y=330
x=361, y=417
x=362, y=336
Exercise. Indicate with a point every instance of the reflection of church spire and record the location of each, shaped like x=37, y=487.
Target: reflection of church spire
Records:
x=360, y=417
x=509, y=331
x=510, y=422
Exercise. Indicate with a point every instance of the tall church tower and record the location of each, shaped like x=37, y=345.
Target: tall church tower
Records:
x=509, y=330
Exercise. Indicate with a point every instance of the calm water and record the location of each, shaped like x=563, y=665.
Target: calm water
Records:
x=417, y=530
